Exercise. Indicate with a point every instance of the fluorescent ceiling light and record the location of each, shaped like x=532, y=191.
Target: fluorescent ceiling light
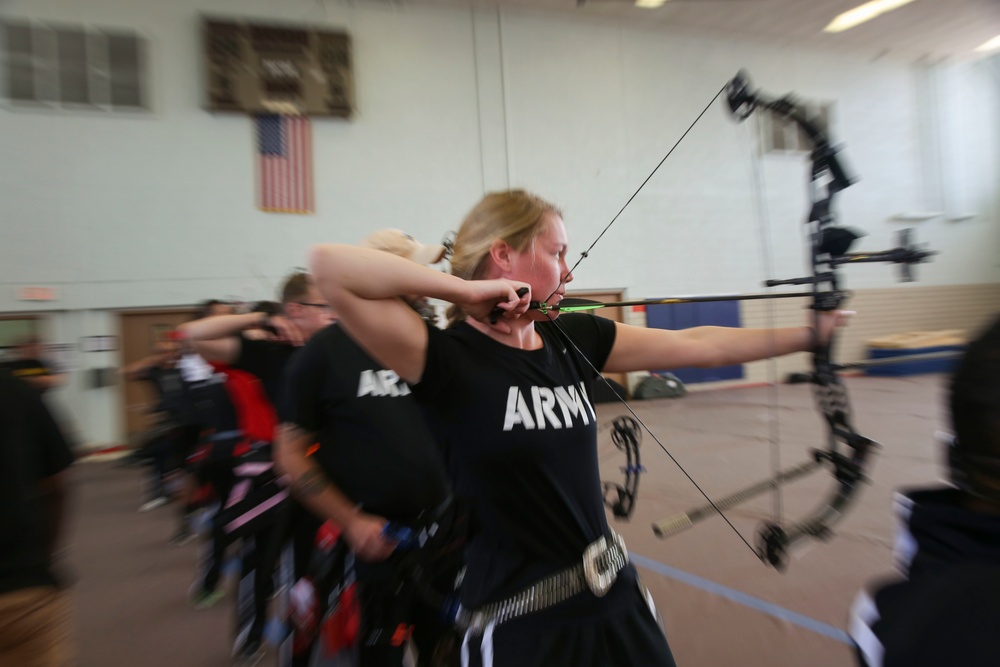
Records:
x=990, y=45
x=862, y=13
x=649, y=4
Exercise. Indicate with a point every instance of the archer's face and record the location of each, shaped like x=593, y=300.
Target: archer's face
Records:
x=543, y=263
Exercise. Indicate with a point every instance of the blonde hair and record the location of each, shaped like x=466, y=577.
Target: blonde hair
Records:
x=512, y=216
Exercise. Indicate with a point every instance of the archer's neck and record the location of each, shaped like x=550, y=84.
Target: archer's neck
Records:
x=522, y=333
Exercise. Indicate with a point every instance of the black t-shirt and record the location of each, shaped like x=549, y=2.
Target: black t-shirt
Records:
x=945, y=609
x=31, y=448
x=220, y=416
x=177, y=397
x=267, y=359
x=520, y=433
x=26, y=369
x=375, y=445
x=946, y=618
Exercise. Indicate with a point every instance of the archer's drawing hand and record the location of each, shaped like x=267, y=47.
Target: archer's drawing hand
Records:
x=493, y=302
x=364, y=534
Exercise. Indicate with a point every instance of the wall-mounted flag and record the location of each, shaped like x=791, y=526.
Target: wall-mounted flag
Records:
x=284, y=164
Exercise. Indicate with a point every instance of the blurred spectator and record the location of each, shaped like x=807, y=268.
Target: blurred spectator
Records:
x=943, y=607
x=36, y=626
x=28, y=364
x=178, y=425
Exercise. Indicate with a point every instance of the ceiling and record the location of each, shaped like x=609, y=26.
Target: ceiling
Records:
x=924, y=29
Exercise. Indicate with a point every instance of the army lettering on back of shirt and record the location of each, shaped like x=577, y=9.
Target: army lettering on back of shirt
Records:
x=373, y=382
x=374, y=443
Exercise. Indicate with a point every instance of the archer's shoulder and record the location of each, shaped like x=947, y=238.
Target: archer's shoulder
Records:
x=583, y=323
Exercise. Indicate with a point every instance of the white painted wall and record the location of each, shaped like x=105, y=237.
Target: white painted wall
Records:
x=158, y=209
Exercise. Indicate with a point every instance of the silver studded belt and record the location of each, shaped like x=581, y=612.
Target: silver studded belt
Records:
x=601, y=563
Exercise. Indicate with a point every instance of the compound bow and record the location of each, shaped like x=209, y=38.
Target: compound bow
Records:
x=848, y=453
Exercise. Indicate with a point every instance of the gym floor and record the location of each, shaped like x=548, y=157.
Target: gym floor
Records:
x=721, y=606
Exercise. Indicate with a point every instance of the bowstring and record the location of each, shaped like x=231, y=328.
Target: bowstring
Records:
x=586, y=253
x=566, y=337
x=763, y=221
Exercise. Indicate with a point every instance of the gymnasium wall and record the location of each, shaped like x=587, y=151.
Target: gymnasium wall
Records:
x=157, y=209
x=882, y=312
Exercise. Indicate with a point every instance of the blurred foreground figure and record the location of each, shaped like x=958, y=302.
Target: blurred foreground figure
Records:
x=29, y=365
x=946, y=608
x=36, y=627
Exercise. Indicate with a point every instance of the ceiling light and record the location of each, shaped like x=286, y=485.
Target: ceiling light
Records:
x=990, y=45
x=862, y=13
x=649, y=4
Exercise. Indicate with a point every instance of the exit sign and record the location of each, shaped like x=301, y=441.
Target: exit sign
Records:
x=36, y=293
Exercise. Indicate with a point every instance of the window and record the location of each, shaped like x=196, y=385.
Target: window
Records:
x=14, y=330
x=72, y=67
x=783, y=135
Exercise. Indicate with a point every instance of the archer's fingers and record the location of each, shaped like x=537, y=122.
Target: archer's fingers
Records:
x=510, y=309
x=511, y=306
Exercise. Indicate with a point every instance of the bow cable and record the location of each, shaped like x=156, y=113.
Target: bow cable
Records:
x=763, y=220
x=567, y=338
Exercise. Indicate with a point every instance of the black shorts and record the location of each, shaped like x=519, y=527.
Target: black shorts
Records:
x=620, y=629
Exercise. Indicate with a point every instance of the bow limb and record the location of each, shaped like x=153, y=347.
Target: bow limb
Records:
x=620, y=498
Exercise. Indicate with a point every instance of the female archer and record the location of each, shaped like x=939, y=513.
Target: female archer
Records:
x=508, y=389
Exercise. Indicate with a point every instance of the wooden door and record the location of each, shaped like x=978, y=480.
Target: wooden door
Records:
x=139, y=332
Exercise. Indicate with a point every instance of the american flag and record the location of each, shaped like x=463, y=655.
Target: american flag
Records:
x=284, y=164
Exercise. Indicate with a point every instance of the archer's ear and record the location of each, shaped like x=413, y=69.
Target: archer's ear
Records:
x=500, y=253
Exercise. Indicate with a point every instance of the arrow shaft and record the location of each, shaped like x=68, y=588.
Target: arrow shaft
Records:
x=670, y=300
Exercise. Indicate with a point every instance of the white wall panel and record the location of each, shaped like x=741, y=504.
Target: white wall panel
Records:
x=120, y=211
